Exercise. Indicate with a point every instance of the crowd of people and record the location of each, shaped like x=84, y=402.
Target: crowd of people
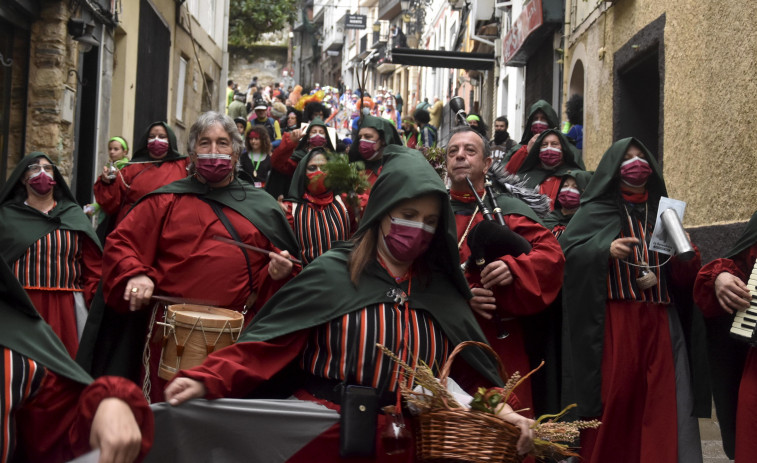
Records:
x=513, y=244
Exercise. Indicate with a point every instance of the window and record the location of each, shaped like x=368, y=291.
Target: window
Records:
x=180, y=88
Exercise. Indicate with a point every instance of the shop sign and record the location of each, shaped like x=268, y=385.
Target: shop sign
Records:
x=529, y=20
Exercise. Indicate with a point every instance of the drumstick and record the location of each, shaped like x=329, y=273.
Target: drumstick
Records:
x=251, y=247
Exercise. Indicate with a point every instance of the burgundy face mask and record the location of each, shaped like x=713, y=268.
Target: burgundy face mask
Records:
x=635, y=171
x=367, y=149
x=317, y=140
x=550, y=156
x=41, y=182
x=214, y=167
x=569, y=198
x=408, y=239
x=158, y=147
x=538, y=127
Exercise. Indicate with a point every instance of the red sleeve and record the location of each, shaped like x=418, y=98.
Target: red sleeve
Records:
x=110, y=387
x=281, y=158
x=132, y=247
x=109, y=196
x=516, y=160
x=91, y=262
x=55, y=424
x=684, y=272
x=288, y=212
x=704, y=286
x=236, y=370
x=537, y=275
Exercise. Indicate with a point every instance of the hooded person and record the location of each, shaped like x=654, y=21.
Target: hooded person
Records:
x=374, y=134
x=541, y=116
x=318, y=217
x=720, y=291
x=180, y=257
x=401, y=263
x=628, y=321
x=156, y=162
x=50, y=245
x=52, y=409
x=550, y=158
x=568, y=199
x=294, y=146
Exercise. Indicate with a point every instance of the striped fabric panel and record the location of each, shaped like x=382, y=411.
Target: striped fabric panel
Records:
x=21, y=379
x=316, y=230
x=53, y=262
x=326, y=354
x=621, y=279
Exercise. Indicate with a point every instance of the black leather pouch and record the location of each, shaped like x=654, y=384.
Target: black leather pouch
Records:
x=357, y=436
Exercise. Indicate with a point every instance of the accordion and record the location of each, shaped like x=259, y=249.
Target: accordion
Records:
x=744, y=326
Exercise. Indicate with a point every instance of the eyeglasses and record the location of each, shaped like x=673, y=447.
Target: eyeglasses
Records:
x=34, y=168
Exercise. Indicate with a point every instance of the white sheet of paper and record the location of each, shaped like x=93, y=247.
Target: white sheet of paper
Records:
x=659, y=241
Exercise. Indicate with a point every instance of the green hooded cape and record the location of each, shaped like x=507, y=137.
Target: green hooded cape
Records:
x=386, y=131
x=323, y=291
x=586, y=244
x=531, y=170
x=747, y=239
x=302, y=150
x=21, y=226
x=112, y=342
x=552, y=120
x=141, y=154
x=556, y=217
x=253, y=203
x=24, y=331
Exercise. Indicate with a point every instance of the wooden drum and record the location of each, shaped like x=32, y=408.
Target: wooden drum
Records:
x=192, y=332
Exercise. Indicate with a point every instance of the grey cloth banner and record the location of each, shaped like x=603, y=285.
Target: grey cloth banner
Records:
x=236, y=430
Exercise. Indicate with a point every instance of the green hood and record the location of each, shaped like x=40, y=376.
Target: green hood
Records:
x=746, y=240
x=24, y=331
x=140, y=149
x=21, y=226
x=314, y=298
x=531, y=169
x=254, y=204
x=386, y=131
x=586, y=244
x=301, y=150
x=297, y=188
x=547, y=109
x=556, y=217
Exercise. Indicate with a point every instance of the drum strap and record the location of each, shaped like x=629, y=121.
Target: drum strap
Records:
x=233, y=232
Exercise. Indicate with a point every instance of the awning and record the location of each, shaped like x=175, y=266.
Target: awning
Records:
x=537, y=22
x=443, y=59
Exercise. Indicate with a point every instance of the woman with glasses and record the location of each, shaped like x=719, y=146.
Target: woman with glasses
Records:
x=50, y=246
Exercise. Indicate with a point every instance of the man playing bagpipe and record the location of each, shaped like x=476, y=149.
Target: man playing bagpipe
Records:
x=514, y=267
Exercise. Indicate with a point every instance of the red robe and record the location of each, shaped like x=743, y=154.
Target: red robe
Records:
x=639, y=413
x=135, y=181
x=551, y=187
x=169, y=238
x=537, y=282
x=704, y=297
x=281, y=158
x=517, y=159
x=57, y=307
x=54, y=426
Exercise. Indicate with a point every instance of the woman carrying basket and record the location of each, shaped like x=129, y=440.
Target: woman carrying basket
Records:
x=397, y=282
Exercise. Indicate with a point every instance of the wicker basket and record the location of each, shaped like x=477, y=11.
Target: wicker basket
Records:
x=464, y=434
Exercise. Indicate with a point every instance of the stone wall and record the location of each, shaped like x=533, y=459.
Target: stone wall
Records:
x=53, y=53
x=267, y=62
x=708, y=102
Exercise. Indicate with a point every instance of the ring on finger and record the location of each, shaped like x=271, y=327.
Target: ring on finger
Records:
x=134, y=290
